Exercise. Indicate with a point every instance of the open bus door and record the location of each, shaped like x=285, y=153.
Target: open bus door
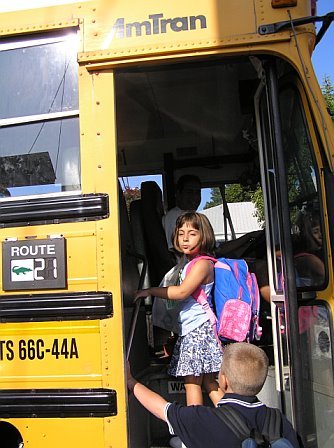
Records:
x=292, y=187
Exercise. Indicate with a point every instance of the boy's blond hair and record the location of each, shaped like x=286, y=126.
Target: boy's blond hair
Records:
x=245, y=367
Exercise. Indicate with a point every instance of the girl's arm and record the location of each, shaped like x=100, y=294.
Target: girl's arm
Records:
x=200, y=273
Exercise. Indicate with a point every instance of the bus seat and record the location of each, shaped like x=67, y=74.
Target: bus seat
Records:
x=139, y=354
x=130, y=273
x=251, y=244
x=160, y=259
x=137, y=226
x=137, y=229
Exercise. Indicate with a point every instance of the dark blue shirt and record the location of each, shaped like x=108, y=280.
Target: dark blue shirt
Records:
x=200, y=427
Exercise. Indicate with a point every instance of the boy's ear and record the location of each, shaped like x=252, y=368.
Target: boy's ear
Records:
x=223, y=382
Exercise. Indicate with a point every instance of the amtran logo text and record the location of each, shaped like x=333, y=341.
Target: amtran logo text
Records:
x=157, y=25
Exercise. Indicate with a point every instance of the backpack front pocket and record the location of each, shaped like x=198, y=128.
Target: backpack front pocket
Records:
x=235, y=320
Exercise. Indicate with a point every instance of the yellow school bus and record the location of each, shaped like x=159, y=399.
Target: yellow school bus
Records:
x=95, y=92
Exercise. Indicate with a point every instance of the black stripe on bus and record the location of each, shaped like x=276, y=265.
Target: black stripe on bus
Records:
x=51, y=307
x=45, y=403
x=52, y=210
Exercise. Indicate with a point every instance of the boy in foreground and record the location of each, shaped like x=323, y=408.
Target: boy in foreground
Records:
x=242, y=375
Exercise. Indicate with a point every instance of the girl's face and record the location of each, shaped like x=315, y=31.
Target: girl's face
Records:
x=189, y=240
x=317, y=236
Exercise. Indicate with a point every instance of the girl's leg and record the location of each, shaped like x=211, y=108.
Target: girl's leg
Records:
x=211, y=386
x=193, y=386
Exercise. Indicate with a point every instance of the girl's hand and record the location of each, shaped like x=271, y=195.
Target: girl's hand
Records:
x=131, y=382
x=141, y=293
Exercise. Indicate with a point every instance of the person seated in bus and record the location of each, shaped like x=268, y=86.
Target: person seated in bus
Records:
x=241, y=377
x=197, y=352
x=187, y=198
x=308, y=250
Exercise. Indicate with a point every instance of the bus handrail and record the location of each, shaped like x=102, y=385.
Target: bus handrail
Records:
x=138, y=303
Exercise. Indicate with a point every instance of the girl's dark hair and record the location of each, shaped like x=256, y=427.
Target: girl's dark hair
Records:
x=201, y=223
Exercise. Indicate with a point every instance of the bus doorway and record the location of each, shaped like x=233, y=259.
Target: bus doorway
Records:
x=171, y=123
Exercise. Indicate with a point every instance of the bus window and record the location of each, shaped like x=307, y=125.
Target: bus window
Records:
x=239, y=215
x=304, y=196
x=317, y=348
x=39, y=134
x=131, y=185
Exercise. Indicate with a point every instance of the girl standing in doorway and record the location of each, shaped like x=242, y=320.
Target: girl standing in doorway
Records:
x=197, y=354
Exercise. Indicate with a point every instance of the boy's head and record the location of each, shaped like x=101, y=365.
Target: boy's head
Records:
x=245, y=368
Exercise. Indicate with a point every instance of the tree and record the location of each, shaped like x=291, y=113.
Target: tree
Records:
x=257, y=199
x=233, y=193
x=328, y=92
x=238, y=193
x=131, y=194
x=215, y=199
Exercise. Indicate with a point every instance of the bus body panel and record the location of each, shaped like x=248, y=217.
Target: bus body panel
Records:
x=50, y=354
x=114, y=26
x=86, y=432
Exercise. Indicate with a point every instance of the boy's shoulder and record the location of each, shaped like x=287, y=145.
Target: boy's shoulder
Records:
x=203, y=422
x=199, y=426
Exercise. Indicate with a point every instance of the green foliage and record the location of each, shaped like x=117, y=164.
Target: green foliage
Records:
x=257, y=199
x=238, y=193
x=328, y=92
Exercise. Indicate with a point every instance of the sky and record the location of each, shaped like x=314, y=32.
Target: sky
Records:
x=323, y=55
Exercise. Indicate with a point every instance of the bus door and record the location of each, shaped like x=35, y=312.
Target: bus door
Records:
x=295, y=230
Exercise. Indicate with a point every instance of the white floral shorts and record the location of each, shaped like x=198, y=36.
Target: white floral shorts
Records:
x=196, y=353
